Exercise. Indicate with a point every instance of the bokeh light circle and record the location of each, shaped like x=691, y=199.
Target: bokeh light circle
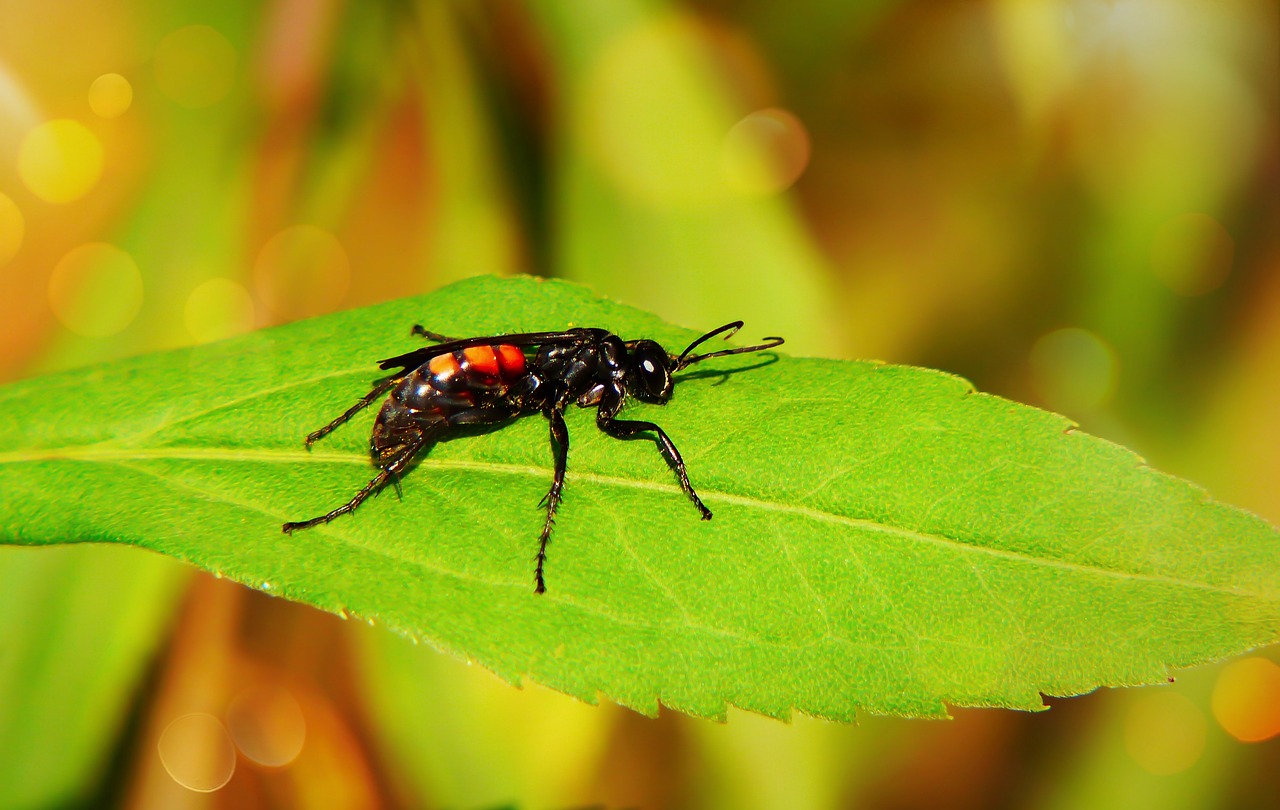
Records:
x=765, y=152
x=195, y=66
x=96, y=290
x=12, y=228
x=60, y=161
x=1246, y=699
x=197, y=752
x=110, y=95
x=1073, y=369
x=302, y=271
x=1164, y=732
x=1192, y=254
x=218, y=308
x=267, y=725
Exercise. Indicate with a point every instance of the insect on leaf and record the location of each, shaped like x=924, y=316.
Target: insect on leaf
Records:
x=884, y=539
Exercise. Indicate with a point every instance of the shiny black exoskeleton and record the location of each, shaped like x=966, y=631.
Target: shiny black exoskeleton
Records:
x=468, y=382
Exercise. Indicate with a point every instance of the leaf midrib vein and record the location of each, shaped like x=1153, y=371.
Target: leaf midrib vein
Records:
x=435, y=567
x=112, y=451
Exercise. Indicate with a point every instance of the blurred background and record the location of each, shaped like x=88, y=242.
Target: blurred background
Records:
x=1073, y=203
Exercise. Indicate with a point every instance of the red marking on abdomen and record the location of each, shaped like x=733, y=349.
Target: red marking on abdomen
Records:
x=481, y=360
x=511, y=360
x=444, y=366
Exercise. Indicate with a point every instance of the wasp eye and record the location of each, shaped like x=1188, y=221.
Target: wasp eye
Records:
x=652, y=372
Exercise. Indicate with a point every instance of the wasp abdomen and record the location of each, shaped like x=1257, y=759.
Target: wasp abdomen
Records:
x=461, y=379
x=485, y=365
x=445, y=385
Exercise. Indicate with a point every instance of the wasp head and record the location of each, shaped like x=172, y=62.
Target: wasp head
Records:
x=652, y=367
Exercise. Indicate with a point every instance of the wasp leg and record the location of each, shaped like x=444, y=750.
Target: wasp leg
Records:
x=378, y=390
x=625, y=429
x=560, y=437
x=419, y=330
x=560, y=446
x=390, y=471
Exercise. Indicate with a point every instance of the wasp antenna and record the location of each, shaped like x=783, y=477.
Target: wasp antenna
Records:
x=728, y=330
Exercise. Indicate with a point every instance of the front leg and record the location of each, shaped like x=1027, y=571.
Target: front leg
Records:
x=560, y=446
x=625, y=429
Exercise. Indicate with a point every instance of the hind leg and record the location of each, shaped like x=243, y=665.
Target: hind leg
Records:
x=392, y=469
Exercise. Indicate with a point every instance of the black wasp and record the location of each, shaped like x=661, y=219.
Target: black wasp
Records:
x=470, y=382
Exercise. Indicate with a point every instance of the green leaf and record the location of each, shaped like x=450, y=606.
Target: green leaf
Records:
x=885, y=538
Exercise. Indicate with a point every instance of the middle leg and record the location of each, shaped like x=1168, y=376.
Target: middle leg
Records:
x=560, y=445
x=365, y=401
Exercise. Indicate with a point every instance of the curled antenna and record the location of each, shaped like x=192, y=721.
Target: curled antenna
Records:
x=684, y=360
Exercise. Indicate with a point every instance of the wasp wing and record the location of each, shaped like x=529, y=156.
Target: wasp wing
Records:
x=417, y=357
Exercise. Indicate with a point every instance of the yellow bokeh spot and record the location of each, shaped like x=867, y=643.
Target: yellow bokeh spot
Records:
x=1164, y=732
x=1073, y=370
x=765, y=152
x=1033, y=40
x=302, y=271
x=195, y=66
x=60, y=160
x=267, y=724
x=12, y=227
x=110, y=95
x=650, y=116
x=219, y=308
x=197, y=753
x=1246, y=699
x=96, y=290
x=1192, y=254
